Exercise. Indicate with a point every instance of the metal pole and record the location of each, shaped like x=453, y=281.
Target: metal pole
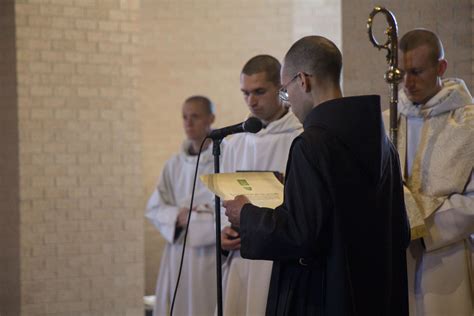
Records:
x=216, y=152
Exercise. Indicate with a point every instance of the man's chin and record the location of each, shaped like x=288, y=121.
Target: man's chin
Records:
x=258, y=114
x=413, y=98
x=191, y=137
x=196, y=138
x=261, y=118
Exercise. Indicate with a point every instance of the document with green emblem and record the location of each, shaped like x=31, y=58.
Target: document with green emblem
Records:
x=261, y=188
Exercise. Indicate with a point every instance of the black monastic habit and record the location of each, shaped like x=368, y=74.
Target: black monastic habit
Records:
x=338, y=241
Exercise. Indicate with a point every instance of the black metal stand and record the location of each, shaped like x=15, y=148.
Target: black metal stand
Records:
x=216, y=151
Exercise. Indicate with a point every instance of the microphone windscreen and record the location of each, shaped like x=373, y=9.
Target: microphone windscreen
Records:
x=252, y=125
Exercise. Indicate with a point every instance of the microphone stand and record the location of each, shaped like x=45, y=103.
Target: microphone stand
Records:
x=216, y=151
x=252, y=125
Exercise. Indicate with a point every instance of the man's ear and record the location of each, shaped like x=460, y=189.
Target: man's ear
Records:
x=442, y=66
x=305, y=82
x=211, y=119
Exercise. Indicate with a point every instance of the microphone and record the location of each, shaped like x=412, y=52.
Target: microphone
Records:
x=251, y=125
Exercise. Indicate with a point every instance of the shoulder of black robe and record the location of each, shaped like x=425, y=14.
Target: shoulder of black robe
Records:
x=343, y=212
x=288, y=232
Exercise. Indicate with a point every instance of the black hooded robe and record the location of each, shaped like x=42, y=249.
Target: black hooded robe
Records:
x=338, y=241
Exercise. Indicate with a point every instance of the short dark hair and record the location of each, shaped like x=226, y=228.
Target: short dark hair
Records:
x=315, y=55
x=264, y=63
x=205, y=101
x=419, y=37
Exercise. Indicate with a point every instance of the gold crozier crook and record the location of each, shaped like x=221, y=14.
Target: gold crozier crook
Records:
x=393, y=76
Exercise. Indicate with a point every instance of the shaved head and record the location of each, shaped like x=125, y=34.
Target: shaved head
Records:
x=204, y=101
x=266, y=64
x=421, y=37
x=315, y=55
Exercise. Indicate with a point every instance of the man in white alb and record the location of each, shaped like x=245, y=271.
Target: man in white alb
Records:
x=436, y=148
x=246, y=282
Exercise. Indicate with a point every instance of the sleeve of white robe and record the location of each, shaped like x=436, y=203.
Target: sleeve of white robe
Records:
x=202, y=231
x=161, y=208
x=201, y=228
x=228, y=165
x=162, y=211
x=453, y=221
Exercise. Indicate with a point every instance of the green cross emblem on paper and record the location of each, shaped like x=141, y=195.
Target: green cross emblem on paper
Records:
x=244, y=184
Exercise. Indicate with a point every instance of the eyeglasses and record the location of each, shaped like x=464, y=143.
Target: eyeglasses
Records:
x=283, y=92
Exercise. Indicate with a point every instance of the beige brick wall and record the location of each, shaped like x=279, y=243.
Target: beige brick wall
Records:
x=199, y=47
x=9, y=179
x=365, y=65
x=81, y=193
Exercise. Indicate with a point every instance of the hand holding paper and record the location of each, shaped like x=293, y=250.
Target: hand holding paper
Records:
x=234, y=207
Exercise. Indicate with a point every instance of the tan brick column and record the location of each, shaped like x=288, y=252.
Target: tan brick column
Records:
x=9, y=169
x=80, y=219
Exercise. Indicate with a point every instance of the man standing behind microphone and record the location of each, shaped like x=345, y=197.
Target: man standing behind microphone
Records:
x=246, y=282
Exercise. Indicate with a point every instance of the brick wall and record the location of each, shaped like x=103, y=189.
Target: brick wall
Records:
x=365, y=65
x=199, y=47
x=9, y=171
x=79, y=157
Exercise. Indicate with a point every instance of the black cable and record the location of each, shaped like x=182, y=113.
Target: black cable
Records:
x=187, y=227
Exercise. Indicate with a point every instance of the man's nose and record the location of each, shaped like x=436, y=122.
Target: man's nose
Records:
x=409, y=80
x=252, y=100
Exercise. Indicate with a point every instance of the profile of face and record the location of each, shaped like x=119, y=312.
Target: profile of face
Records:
x=261, y=96
x=422, y=78
x=196, y=120
x=298, y=100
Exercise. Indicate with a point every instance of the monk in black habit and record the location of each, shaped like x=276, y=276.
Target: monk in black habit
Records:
x=338, y=241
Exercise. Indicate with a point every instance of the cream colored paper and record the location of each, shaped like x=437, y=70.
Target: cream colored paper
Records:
x=261, y=188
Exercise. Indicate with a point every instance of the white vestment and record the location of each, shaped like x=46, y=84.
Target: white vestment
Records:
x=246, y=282
x=437, y=153
x=197, y=289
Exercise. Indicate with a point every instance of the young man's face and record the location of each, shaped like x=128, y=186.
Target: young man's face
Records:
x=422, y=79
x=261, y=96
x=196, y=120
